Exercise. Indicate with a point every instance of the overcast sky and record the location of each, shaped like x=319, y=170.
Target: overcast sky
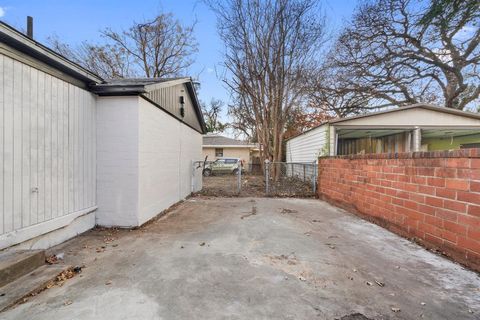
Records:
x=76, y=20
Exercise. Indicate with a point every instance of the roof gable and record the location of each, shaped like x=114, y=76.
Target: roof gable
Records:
x=163, y=92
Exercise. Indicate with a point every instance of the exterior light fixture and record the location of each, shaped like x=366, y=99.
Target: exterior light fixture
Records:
x=182, y=106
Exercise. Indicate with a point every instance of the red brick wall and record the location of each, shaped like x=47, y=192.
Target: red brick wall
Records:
x=433, y=197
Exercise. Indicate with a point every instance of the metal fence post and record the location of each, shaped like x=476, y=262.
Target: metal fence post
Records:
x=192, y=183
x=239, y=164
x=267, y=178
x=315, y=168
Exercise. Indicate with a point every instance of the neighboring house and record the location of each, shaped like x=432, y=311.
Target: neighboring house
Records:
x=216, y=146
x=418, y=127
x=79, y=151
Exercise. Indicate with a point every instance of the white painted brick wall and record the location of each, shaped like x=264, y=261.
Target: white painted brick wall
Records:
x=166, y=150
x=144, y=159
x=117, y=161
x=191, y=150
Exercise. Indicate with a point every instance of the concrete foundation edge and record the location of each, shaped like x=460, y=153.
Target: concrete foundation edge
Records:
x=78, y=225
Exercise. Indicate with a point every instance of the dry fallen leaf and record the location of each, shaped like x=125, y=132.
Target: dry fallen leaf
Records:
x=52, y=259
x=395, y=309
x=68, y=302
x=108, y=282
x=108, y=239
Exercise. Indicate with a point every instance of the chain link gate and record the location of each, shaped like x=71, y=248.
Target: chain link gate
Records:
x=228, y=177
x=290, y=179
x=222, y=177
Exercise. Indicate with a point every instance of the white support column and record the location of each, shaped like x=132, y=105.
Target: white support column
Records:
x=417, y=139
x=408, y=142
x=336, y=142
x=333, y=141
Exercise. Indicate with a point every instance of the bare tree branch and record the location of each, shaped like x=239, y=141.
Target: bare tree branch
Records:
x=211, y=114
x=389, y=54
x=270, y=46
x=161, y=47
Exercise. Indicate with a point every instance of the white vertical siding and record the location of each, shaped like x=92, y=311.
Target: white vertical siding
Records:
x=47, y=139
x=169, y=99
x=308, y=146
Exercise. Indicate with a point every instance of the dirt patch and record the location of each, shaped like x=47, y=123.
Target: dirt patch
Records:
x=227, y=186
x=253, y=186
x=291, y=187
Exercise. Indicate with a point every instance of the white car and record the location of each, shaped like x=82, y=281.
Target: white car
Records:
x=222, y=166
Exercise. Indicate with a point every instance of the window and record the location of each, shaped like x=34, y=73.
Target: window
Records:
x=218, y=152
x=230, y=161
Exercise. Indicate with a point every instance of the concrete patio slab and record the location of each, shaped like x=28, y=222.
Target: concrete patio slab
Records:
x=255, y=258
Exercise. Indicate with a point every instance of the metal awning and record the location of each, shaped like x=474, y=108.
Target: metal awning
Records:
x=349, y=133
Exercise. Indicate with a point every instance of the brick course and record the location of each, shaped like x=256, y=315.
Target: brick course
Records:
x=433, y=197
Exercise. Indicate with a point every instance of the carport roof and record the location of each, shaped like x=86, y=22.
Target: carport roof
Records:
x=340, y=121
x=413, y=106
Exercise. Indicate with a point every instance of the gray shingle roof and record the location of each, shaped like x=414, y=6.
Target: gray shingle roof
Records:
x=137, y=81
x=19, y=41
x=216, y=140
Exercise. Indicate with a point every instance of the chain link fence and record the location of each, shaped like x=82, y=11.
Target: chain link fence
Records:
x=229, y=177
x=222, y=177
x=290, y=179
